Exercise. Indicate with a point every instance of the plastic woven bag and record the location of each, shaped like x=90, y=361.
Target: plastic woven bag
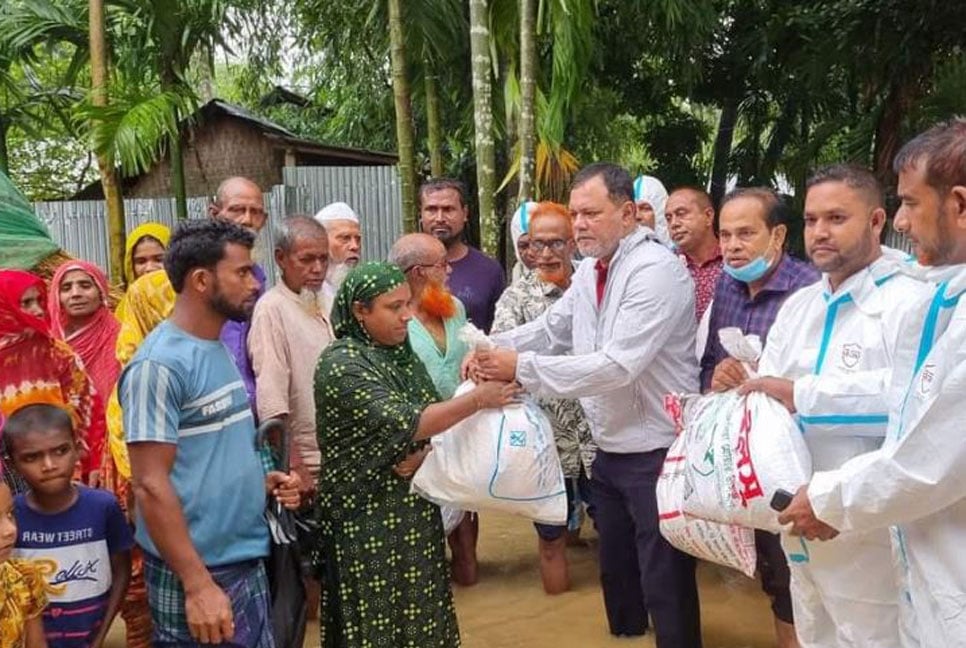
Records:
x=730, y=545
x=738, y=451
x=503, y=459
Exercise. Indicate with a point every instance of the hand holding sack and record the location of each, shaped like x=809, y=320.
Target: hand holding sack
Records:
x=502, y=459
x=739, y=450
x=725, y=544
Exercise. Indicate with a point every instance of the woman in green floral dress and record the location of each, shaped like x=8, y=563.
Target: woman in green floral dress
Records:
x=384, y=575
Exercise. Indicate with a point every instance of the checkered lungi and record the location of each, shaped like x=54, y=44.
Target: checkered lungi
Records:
x=245, y=584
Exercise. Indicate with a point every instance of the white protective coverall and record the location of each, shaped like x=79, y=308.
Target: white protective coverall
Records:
x=917, y=480
x=651, y=190
x=839, y=348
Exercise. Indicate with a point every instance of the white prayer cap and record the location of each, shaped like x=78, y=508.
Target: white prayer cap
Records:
x=336, y=211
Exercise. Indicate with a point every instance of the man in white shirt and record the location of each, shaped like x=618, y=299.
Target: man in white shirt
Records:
x=917, y=480
x=829, y=358
x=619, y=339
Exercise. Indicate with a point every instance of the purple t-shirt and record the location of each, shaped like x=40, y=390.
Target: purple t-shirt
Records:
x=477, y=281
x=234, y=335
x=79, y=543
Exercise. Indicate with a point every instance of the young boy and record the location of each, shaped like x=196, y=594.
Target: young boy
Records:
x=81, y=531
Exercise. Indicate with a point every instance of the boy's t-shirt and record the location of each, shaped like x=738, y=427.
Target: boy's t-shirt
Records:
x=77, y=544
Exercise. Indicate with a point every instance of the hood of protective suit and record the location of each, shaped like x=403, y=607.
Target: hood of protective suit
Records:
x=651, y=190
x=520, y=224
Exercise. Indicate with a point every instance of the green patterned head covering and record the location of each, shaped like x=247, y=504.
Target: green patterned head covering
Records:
x=363, y=284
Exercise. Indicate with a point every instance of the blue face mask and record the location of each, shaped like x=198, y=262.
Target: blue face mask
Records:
x=749, y=272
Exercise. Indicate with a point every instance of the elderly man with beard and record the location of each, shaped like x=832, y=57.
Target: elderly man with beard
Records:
x=553, y=246
x=434, y=337
x=290, y=328
x=345, y=244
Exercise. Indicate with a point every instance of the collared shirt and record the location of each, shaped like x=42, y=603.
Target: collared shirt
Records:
x=753, y=315
x=285, y=342
x=235, y=337
x=442, y=365
x=621, y=358
x=705, y=276
x=523, y=302
x=601, y=269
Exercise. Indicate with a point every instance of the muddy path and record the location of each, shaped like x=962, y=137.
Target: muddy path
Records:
x=508, y=608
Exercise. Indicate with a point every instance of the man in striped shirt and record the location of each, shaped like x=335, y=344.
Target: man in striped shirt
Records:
x=198, y=478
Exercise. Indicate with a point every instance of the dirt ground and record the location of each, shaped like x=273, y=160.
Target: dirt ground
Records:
x=508, y=608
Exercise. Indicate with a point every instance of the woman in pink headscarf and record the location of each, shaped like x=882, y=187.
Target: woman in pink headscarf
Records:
x=35, y=368
x=80, y=316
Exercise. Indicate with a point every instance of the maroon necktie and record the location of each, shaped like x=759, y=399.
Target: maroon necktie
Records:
x=601, y=280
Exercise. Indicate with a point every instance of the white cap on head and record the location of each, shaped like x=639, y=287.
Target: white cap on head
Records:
x=336, y=211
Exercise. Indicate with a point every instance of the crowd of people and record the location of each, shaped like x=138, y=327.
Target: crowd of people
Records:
x=135, y=478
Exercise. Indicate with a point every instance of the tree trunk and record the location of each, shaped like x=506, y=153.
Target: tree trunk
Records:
x=781, y=132
x=722, y=150
x=175, y=151
x=483, y=121
x=105, y=164
x=888, y=130
x=527, y=135
x=404, y=117
x=434, y=125
x=4, y=153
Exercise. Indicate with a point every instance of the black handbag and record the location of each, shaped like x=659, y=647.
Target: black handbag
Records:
x=284, y=564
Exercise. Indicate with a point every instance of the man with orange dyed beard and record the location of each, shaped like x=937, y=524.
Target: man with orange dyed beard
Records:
x=434, y=337
x=553, y=246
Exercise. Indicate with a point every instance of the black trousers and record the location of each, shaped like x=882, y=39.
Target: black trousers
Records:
x=640, y=572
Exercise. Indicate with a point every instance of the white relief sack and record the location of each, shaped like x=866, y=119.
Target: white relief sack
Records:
x=730, y=545
x=501, y=459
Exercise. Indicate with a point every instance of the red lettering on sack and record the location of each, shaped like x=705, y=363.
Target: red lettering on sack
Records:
x=750, y=486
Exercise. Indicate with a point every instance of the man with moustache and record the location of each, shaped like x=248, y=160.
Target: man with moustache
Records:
x=290, y=329
x=434, y=337
x=829, y=358
x=758, y=277
x=476, y=279
x=552, y=246
x=690, y=221
x=345, y=244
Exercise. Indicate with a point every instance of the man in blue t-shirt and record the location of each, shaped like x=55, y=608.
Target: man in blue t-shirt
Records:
x=198, y=478
x=80, y=534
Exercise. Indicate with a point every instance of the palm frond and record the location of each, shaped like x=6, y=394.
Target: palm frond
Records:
x=132, y=131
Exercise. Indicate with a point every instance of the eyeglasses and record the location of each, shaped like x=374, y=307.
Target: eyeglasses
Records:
x=442, y=265
x=555, y=245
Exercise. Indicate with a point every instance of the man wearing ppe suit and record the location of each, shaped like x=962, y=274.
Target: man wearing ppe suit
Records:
x=829, y=358
x=917, y=480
